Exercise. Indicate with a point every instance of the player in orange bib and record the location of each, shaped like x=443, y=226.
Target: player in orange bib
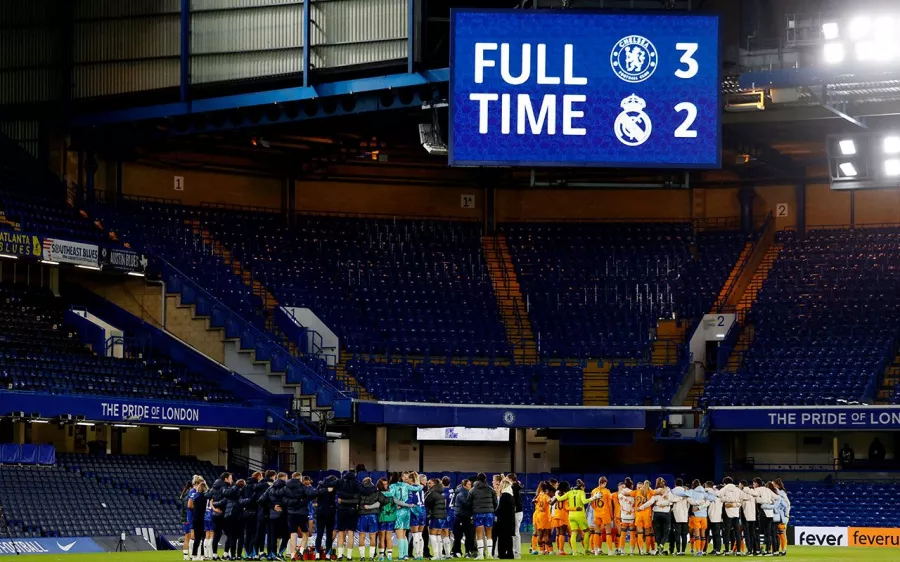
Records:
x=625, y=515
x=601, y=501
x=542, y=523
x=643, y=520
x=561, y=523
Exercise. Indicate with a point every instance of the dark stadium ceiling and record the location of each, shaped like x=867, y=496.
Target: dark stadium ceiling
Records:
x=778, y=142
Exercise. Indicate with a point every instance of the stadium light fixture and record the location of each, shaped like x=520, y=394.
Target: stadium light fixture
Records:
x=884, y=29
x=834, y=53
x=859, y=27
x=170, y=428
x=830, y=30
x=892, y=167
x=39, y=421
x=91, y=267
x=247, y=432
x=891, y=145
x=9, y=256
x=207, y=429
x=124, y=425
x=848, y=169
x=85, y=424
x=49, y=262
x=848, y=147
x=135, y=274
x=867, y=51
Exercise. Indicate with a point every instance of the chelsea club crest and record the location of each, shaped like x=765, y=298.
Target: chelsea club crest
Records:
x=509, y=418
x=633, y=59
x=633, y=126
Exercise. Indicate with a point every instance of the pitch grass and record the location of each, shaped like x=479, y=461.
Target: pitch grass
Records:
x=795, y=554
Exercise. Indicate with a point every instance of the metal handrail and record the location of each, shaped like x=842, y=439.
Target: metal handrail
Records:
x=768, y=222
x=256, y=331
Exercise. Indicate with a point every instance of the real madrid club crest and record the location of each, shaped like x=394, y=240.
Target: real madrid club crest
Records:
x=633, y=126
x=509, y=418
x=633, y=59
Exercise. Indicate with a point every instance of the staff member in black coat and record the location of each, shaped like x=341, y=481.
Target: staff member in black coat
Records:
x=262, y=510
x=462, y=520
x=517, y=497
x=250, y=499
x=325, y=514
x=505, y=526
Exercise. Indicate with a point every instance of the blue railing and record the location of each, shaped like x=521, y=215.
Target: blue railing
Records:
x=251, y=337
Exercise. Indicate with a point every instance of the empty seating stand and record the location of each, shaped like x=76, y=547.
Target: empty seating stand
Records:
x=827, y=322
x=98, y=495
x=38, y=352
x=598, y=289
x=10, y=453
x=844, y=504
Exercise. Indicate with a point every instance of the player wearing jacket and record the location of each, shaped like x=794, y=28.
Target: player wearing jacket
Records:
x=680, y=513
x=262, y=510
x=483, y=501
x=250, y=497
x=347, y=492
x=732, y=499
x=436, y=510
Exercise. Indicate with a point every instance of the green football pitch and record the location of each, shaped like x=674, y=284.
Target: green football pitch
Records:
x=795, y=554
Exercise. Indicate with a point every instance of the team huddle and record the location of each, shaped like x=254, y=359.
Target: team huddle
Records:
x=271, y=516
x=661, y=520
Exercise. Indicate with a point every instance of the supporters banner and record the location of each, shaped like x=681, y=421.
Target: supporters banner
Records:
x=19, y=244
x=80, y=545
x=806, y=418
x=135, y=411
x=451, y=415
x=122, y=260
x=66, y=251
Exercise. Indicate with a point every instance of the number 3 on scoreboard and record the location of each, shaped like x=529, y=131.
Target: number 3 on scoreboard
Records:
x=688, y=59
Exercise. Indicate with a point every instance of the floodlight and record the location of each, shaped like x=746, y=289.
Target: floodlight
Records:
x=884, y=28
x=834, y=53
x=867, y=50
x=892, y=167
x=859, y=27
x=830, y=30
x=848, y=147
x=848, y=169
x=891, y=145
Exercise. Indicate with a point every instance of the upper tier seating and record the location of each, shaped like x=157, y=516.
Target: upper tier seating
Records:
x=415, y=287
x=644, y=385
x=598, y=290
x=826, y=322
x=49, y=216
x=469, y=384
x=40, y=353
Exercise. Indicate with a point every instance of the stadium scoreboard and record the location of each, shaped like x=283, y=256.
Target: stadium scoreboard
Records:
x=566, y=88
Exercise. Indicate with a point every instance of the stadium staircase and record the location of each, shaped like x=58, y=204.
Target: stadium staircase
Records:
x=595, y=388
x=270, y=304
x=513, y=311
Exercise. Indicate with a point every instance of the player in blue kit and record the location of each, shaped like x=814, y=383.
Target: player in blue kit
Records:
x=417, y=515
x=188, y=495
x=449, y=492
